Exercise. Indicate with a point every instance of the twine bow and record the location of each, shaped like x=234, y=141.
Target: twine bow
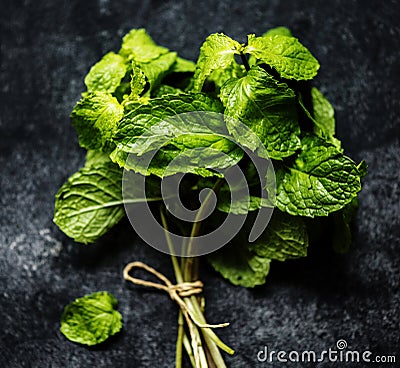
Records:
x=176, y=292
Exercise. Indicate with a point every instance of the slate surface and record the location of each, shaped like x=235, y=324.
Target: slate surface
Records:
x=46, y=48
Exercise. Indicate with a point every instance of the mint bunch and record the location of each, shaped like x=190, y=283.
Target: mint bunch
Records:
x=266, y=85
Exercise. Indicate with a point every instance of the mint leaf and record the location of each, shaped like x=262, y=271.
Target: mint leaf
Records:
x=90, y=202
x=342, y=220
x=324, y=117
x=320, y=181
x=267, y=107
x=182, y=65
x=164, y=89
x=285, y=54
x=238, y=265
x=92, y=319
x=281, y=31
x=106, y=75
x=138, y=82
x=155, y=127
x=221, y=75
x=95, y=119
x=285, y=238
x=216, y=52
x=140, y=47
x=247, y=264
x=156, y=69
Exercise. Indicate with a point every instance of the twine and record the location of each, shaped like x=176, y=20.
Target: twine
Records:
x=175, y=291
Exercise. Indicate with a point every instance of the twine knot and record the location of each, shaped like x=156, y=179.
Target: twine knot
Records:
x=175, y=291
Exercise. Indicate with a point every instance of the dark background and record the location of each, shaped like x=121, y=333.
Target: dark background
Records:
x=47, y=47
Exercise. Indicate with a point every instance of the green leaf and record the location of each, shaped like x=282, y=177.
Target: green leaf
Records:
x=182, y=65
x=237, y=264
x=247, y=264
x=221, y=76
x=285, y=238
x=138, y=82
x=106, y=75
x=363, y=169
x=198, y=140
x=95, y=118
x=324, y=117
x=90, y=203
x=157, y=69
x=94, y=157
x=320, y=181
x=342, y=220
x=139, y=46
x=285, y=54
x=282, y=31
x=164, y=89
x=266, y=106
x=216, y=52
x=92, y=319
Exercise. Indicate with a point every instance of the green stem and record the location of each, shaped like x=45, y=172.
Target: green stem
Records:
x=187, y=274
x=184, y=272
x=179, y=341
x=189, y=350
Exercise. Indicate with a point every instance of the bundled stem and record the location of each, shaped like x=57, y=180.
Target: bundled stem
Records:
x=187, y=272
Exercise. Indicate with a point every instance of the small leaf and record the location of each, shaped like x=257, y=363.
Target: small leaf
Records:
x=138, y=82
x=106, y=75
x=282, y=31
x=92, y=319
x=216, y=52
x=139, y=46
x=285, y=54
x=95, y=119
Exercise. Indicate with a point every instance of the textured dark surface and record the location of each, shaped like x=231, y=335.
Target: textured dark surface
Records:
x=46, y=48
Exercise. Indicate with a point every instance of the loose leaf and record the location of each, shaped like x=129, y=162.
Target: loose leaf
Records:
x=92, y=319
x=285, y=54
x=95, y=118
x=216, y=52
x=267, y=107
x=321, y=180
x=140, y=47
x=106, y=75
x=90, y=203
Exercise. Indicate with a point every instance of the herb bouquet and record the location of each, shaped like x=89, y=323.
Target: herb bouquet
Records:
x=238, y=145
